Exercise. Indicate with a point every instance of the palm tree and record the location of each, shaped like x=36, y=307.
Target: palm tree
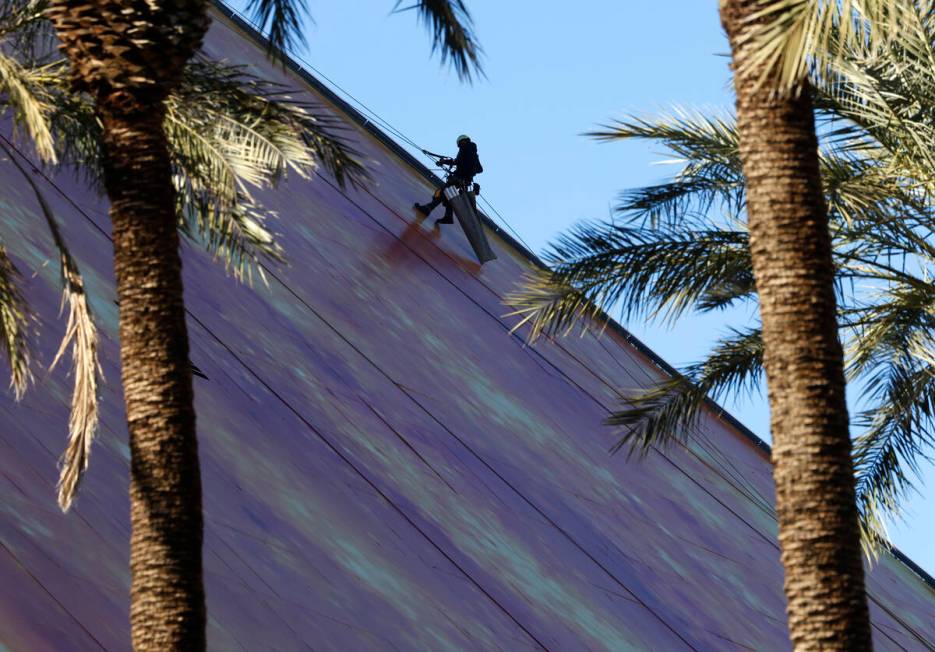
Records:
x=672, y=254
x=790, y=251
x=129, y=56
x=227, y=130
x=223, y=130
x=787, y=255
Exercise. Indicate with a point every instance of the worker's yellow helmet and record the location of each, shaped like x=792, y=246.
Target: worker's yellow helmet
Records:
x=462, y=137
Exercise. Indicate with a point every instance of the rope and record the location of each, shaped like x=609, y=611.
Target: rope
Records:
x=376, y=118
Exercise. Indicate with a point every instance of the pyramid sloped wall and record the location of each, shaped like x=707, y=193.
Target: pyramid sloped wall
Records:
x=385, y=466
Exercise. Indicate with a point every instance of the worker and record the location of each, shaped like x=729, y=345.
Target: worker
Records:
x=466, y=165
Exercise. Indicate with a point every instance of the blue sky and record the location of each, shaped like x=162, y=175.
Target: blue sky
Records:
x=554, y=71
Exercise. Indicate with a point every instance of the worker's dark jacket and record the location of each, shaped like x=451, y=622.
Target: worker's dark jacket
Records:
x=466, y=163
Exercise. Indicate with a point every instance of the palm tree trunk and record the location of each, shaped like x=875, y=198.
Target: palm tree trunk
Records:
x=791, y=254
x=130, y=54
x=167, y=597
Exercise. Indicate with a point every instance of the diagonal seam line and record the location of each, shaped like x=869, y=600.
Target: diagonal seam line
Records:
x=318, y=433
x=575, y=384
x=476, y=455
x=344, y=458
x=107, y=236
x=483, y=461
x=26, y=570
x=535, y=352
x=919, y=637
x=407, y=444
x=753, y=494
x=712, y=449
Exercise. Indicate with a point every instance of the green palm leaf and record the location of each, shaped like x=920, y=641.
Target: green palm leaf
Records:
x=667, y=412
x=645, y=271
x=679, y=246
x=23, y=90
x=448, y=21
x=452, y=30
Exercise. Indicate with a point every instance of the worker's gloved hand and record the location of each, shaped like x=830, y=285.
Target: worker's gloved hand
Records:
x=445, y=161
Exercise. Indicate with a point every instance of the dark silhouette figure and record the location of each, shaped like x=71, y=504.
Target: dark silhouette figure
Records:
x=466, y=165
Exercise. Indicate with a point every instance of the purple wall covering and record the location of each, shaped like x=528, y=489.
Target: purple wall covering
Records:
x=385, y=466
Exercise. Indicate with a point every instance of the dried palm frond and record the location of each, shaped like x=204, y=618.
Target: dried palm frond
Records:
x=83, y=420
x=14, y=321
x=81, y=335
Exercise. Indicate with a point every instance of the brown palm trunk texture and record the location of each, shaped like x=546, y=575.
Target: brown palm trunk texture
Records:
x=129, y=55
x=167, y=597
x=791, y=253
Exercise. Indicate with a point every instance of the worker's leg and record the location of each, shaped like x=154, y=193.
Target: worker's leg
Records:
x=425, y=209
x=437, y=199
x=447, y=217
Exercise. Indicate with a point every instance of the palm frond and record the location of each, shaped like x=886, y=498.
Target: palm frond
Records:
x=81, y=334
x=448, y=21
x=14, y=321
x=891, y=324
x=282, y=22
x=642, y=271
x=791, y=38
x=686, y=200
x=898, y=434
x=235, y=233
x=549, y=306
x=23, y=91
x=881, y=99
x=19, y=16
x=78, y=134
x=667, y=412
x=231, y=132
x=212, y=88
x=25, y=30
x=706, y=146
x=696, y=138
x=24, y=83
x=452, y=29
x=860, y=191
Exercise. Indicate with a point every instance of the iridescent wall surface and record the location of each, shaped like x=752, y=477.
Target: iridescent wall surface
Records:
x=385, y=466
